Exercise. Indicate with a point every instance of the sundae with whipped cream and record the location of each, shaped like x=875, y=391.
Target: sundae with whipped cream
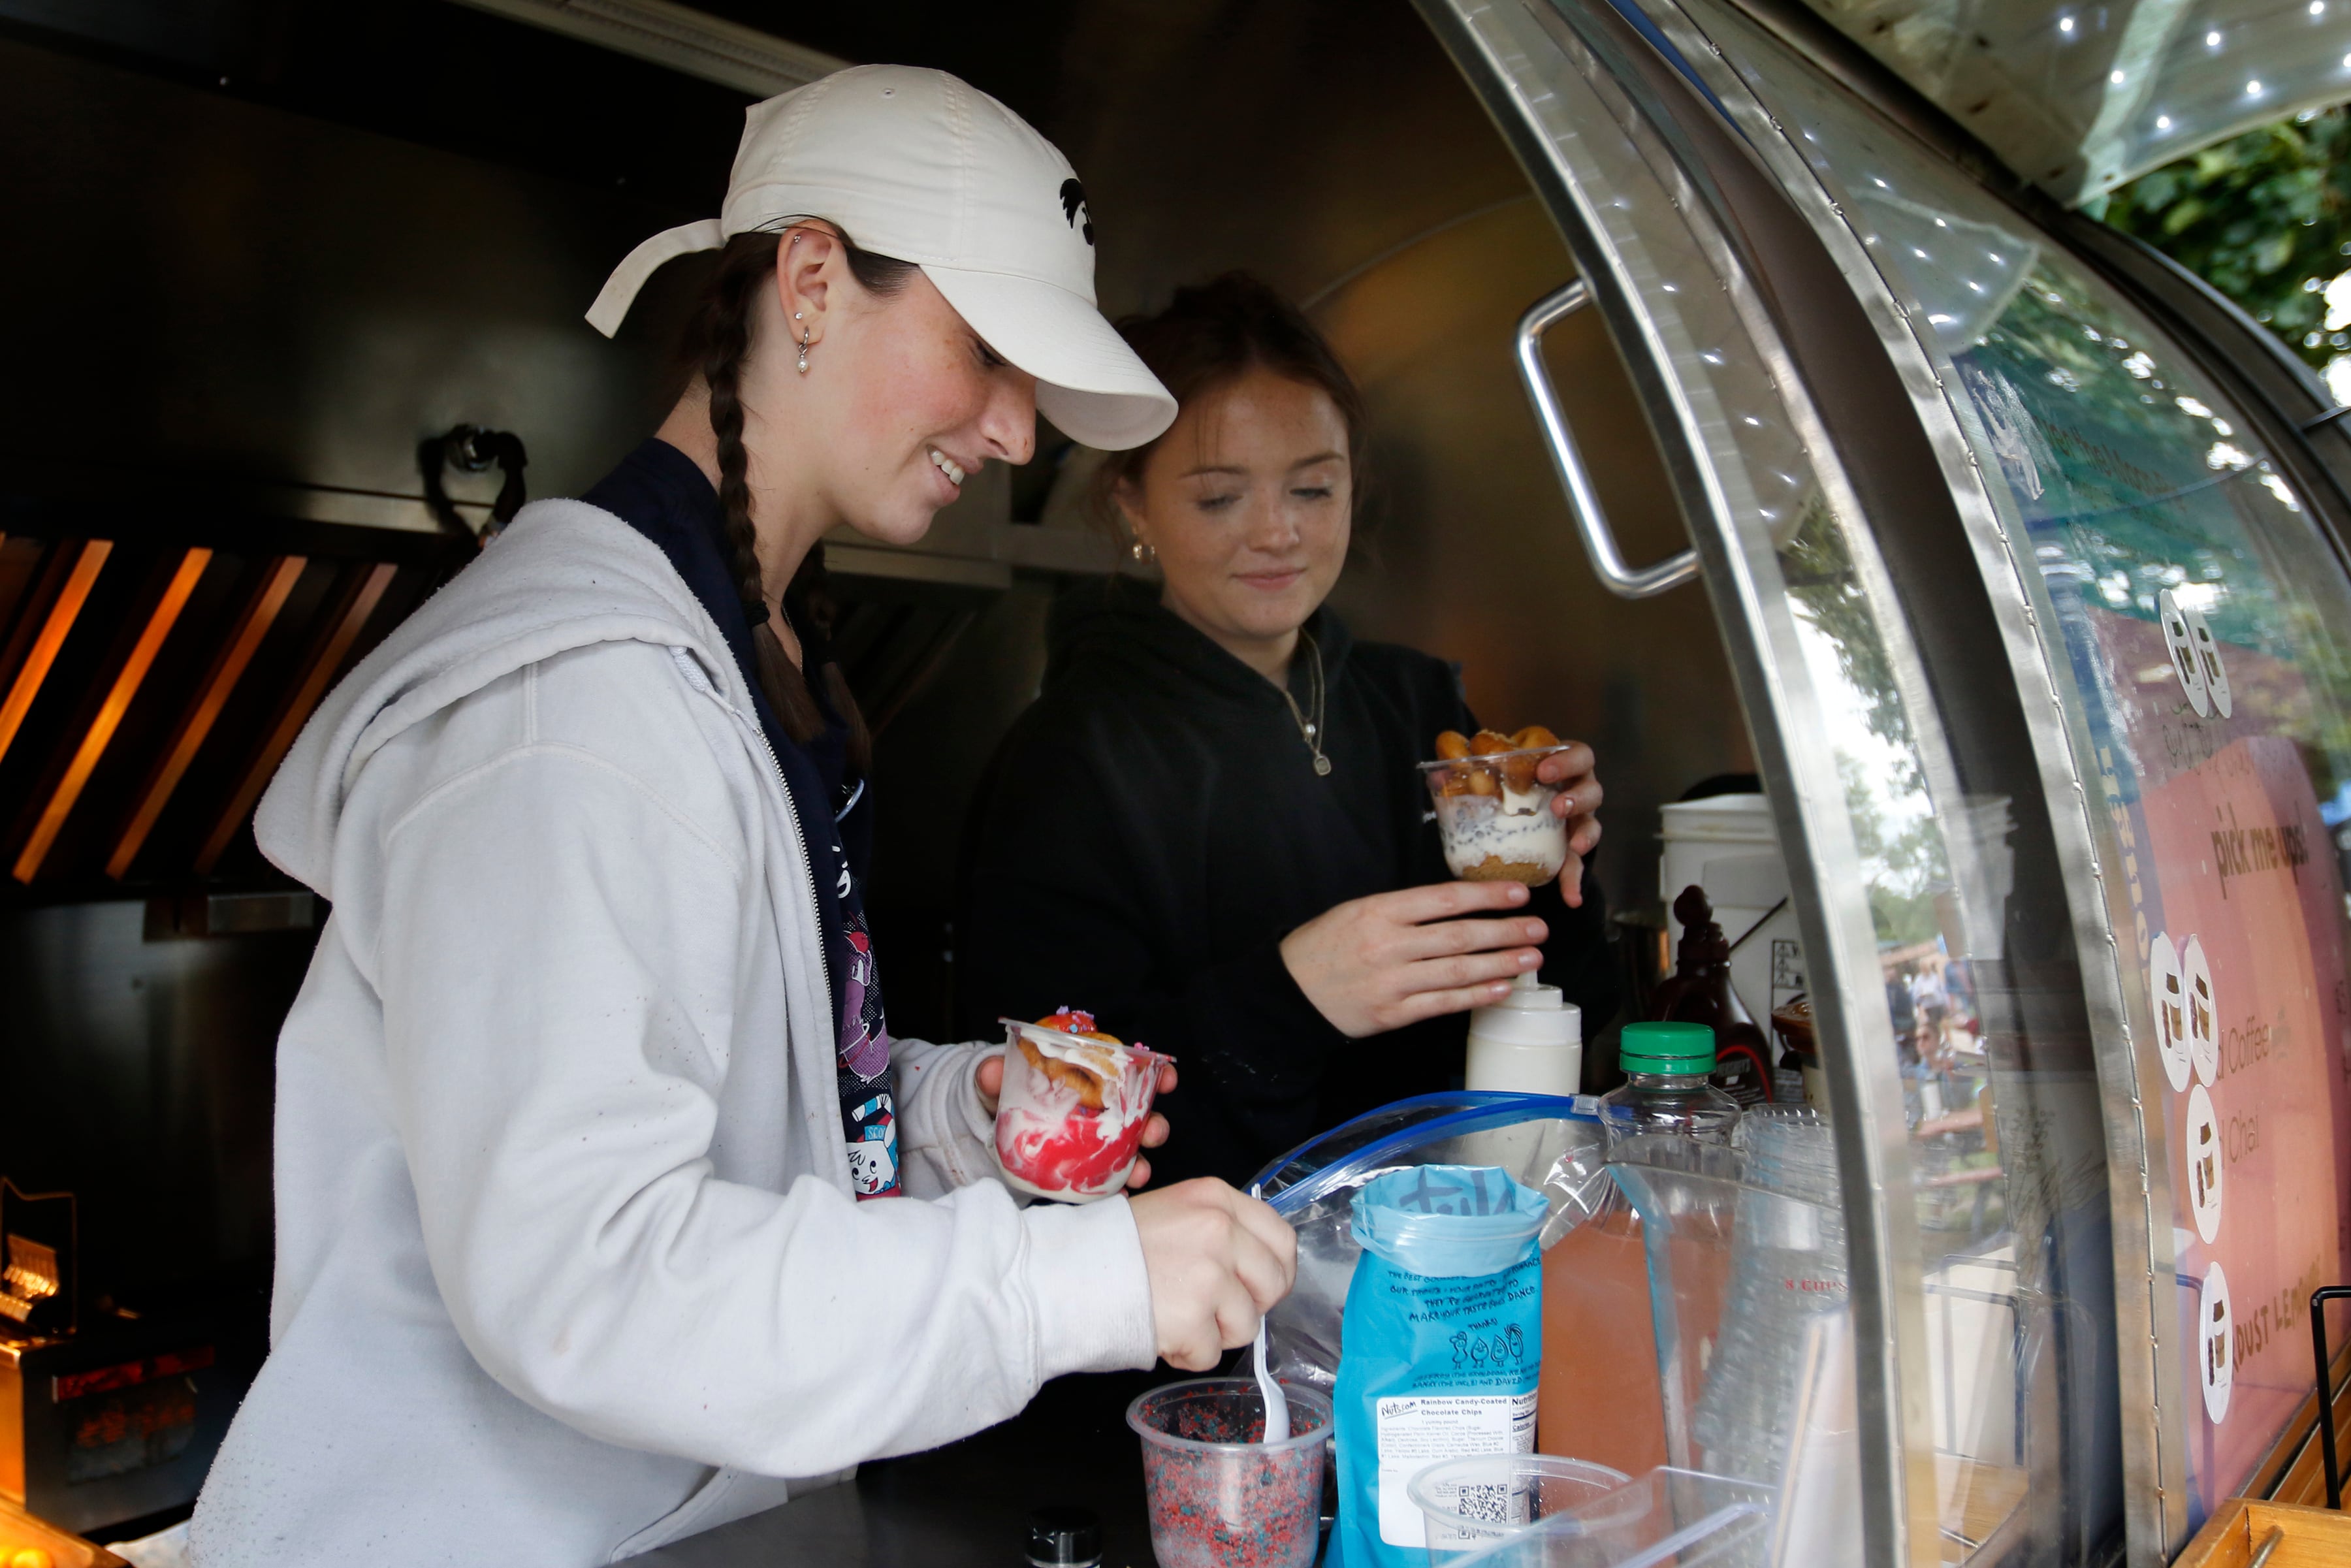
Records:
x=1069, y=1121
x=1494, y=816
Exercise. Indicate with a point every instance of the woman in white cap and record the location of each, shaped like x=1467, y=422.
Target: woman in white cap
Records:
x=590, y=1074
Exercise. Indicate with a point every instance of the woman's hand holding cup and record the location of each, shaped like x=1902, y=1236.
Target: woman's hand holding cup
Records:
x=1375, y=964
x=1571, y=772
x=989, y=1079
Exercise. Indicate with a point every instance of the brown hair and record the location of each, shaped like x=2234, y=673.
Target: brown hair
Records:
x=717, y=341
x=1211, y=335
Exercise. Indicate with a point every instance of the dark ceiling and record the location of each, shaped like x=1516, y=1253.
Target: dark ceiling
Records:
x=1215, y=120
x=444, y=75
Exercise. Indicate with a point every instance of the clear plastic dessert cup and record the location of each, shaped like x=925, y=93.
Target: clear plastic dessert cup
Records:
x=1468, y=1503
x=1219, y=1497
x=1069, y=1121
x=1495, y=817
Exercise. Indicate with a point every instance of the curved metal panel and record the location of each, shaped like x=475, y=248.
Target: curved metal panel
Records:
x=2135, y=1156
x=1951, y=275
x=1694, y=326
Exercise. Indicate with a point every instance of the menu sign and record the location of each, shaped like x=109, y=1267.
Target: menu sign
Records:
x=2205, y=628
x=2237, y=907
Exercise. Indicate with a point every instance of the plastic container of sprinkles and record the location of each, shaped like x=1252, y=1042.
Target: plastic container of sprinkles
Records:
x=1219, y=1498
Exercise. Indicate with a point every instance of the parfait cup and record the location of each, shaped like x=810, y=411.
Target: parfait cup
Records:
x=1495, y=817
x=1069, y=1123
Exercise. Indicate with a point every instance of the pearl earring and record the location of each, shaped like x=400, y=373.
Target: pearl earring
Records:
x=804, y=348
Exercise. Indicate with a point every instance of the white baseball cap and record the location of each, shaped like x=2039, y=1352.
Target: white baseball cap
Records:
x=921, y=166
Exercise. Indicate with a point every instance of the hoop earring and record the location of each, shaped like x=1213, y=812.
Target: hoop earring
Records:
x=804, y=348
x=1144, y=553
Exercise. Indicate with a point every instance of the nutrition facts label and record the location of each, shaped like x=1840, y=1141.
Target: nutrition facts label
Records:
x=1416, y=1432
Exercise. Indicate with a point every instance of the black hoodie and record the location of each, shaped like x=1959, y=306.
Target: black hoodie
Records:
x=1153, y=827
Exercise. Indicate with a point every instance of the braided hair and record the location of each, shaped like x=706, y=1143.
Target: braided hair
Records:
x=717, y=342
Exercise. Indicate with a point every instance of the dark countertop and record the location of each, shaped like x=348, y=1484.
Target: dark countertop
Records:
x=967, y=1504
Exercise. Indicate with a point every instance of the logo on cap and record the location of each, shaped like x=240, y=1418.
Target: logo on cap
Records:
x=1073, y=201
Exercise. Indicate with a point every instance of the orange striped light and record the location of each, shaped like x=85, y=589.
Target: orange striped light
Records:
x=109, y=713
x=259, y=616
x=313, y=687
x=62, y=615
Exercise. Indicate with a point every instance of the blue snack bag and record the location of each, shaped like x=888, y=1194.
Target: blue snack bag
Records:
x=1439, y=1347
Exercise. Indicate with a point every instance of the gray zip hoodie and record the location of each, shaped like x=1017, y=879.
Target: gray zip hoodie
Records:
x=568, y=1264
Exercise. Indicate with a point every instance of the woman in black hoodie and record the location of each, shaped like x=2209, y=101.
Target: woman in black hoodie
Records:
x=1209, y=830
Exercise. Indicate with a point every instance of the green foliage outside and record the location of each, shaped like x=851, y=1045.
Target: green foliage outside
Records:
x=1902, y=866
x=2264, y=217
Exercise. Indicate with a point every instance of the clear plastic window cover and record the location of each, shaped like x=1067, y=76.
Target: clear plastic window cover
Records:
x=2008, y=1421
x=2197, y=623
x=2080, y=98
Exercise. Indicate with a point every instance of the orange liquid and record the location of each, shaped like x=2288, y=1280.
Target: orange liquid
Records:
x=1599, y=1397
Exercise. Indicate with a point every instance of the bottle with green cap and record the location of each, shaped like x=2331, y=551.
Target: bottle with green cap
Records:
x=1667, y=1114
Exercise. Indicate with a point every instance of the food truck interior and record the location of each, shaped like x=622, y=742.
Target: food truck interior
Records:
x=295, y=317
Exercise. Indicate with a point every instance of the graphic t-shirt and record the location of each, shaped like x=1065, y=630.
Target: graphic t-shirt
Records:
x=660, y=492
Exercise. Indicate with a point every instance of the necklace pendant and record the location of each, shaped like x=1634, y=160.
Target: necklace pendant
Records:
x=1322, y=766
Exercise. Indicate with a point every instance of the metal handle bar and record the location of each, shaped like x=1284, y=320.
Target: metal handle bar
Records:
x=1591, y=522
x=2318, y=1299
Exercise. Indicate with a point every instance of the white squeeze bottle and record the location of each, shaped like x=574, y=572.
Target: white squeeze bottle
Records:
x=1529, y=1042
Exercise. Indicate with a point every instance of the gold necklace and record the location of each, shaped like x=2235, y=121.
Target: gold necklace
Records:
x=1310, y=730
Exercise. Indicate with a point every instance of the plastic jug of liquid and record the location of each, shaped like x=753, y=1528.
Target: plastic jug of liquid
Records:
x=1529, y=1042
x=1601, y=1397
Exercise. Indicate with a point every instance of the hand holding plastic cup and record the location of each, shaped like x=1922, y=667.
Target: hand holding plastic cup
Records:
x=1493, y=814
x=1070, y=1119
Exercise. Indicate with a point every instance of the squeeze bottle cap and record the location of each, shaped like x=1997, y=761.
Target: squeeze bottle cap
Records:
x=1676, y=1047
x=1532, y=1014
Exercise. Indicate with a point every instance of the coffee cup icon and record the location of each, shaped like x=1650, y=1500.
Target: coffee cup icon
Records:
x=2203, y=1020
x=2214, y=1321
x=2207, y=1170
x=2208, y=662
x=2186, y=661
x=2167, y=996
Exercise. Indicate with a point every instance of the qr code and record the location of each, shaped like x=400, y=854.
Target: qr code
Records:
x=1486, y=1502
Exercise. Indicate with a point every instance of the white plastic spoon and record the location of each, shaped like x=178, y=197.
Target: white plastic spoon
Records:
x=1277, y=1403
